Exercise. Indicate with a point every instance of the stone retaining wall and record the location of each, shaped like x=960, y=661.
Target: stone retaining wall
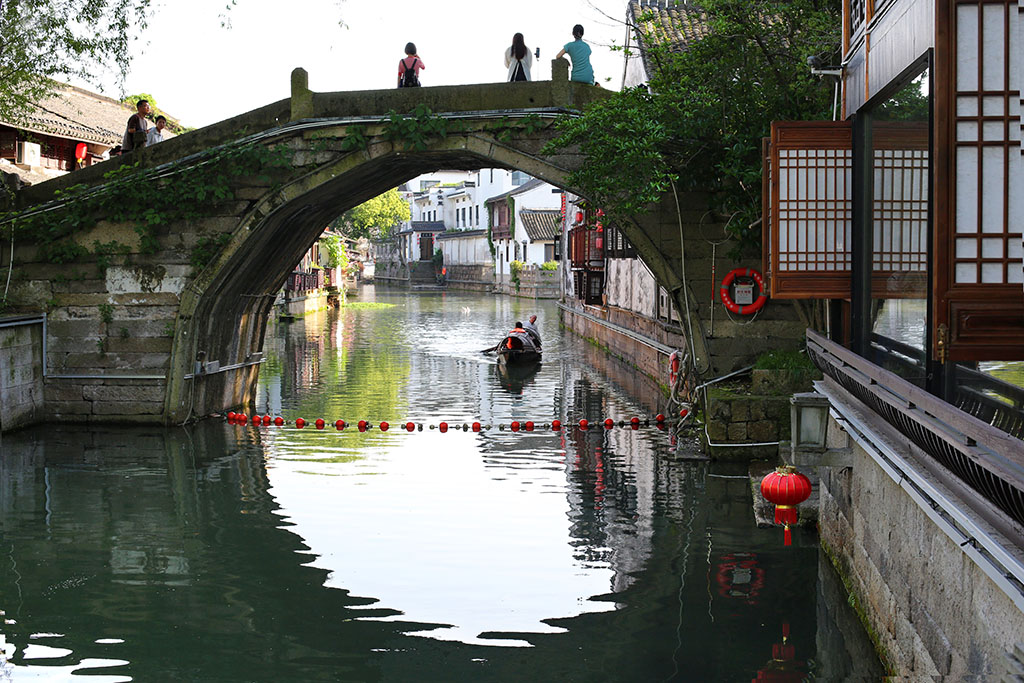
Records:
x=21, y=375
x=934, y=613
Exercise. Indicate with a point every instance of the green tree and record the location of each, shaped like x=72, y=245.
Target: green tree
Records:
x=374, y=218
x=43, y=40
x=700, y=124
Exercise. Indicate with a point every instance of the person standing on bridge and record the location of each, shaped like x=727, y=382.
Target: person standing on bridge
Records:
x=135, y=131
x=409, y=68
x=156, y=133
x=518, y=59
x=579, y=53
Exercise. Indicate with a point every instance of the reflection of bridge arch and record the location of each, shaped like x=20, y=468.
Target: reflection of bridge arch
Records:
x=220, y=313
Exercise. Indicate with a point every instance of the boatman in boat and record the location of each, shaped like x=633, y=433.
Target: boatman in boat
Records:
x=531, y=329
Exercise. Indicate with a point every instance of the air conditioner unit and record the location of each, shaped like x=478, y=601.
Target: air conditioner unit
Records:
x=29, y=154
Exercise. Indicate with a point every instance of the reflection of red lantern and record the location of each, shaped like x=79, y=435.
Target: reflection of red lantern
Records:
x=784, y=666
x=81, y=149
x=739, y=577
x=787, y=488
x=599, y=243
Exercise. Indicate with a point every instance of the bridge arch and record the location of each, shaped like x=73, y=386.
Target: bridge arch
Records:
x=223, y=313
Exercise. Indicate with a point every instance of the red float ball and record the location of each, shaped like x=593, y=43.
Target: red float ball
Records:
x=266, y=420
x=556, y=424
x=278, y=420
x=339, y=424
x=609, y=423
x=409, y=426
x=256, y=419
x=659, y=418
x=231, y=415
x=384, y=426
x=476, y=426
x=515, y=426
x=529, y=426
x=362, y=425
x=443, y=427
x=300, y=423
x=684, y=412
x=584, y=424
x=320, y=423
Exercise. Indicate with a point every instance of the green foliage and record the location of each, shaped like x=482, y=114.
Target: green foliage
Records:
x=438, y=259
x=701, y=123
x=417, y=128
x=549, y=265
x=515, y=268
x=105, y=252
x=141, y=198
x=355, y=138
x=783, y=360
x=335, y=248
x=106, y=312
x=375, y=218
x=511, y=216
x=206, y=249
x=44, y=40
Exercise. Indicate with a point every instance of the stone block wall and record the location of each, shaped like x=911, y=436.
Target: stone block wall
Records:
x=934, y=613
x=535, y=283
x=21, y=375
x=474, y=278
x=736, y=419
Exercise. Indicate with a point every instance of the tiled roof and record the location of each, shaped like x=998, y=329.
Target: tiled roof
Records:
x=525, y=187
x=425, y=226
x=78, y=114
x=671, y=23
x=541, y=224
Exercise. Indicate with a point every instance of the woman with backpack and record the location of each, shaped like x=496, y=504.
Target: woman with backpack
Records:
x=409, y=68
x=518, y=59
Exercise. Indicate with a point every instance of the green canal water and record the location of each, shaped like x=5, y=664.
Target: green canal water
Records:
x=233, y=553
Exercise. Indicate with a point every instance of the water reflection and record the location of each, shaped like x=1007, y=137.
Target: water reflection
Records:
x=237, y=553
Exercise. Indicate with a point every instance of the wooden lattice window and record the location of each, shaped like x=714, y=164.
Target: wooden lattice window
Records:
x=809, y=209
x=808, y=215
x=979, y=202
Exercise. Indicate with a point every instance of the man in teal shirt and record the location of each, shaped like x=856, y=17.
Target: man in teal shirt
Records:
x=579, y=53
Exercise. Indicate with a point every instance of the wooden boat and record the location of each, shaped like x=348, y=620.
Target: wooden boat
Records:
x=518, y=349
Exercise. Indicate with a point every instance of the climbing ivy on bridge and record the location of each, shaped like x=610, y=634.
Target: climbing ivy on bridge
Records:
x=149, y=199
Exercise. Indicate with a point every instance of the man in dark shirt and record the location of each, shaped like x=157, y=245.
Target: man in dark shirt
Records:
x=135, y=133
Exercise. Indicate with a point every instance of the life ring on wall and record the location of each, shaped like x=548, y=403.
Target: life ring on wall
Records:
x=759, y=302
x=673, y=368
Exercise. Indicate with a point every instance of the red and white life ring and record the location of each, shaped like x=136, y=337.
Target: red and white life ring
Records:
x=759, y=302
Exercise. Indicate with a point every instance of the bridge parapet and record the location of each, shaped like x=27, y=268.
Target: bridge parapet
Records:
x=306, y=104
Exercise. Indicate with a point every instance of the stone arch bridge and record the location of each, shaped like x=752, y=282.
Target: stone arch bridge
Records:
x=143, y=332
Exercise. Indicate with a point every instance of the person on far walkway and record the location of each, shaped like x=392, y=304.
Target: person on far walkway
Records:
x=156, y=133
x=579, y=53
x=518, y=59
x=409, y=68
x=135, y=131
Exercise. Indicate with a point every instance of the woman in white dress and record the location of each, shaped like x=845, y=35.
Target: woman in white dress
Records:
x=518, y=59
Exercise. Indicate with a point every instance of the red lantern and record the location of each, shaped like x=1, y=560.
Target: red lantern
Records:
x=579, y=217
x=81, y=149
x=786, y=488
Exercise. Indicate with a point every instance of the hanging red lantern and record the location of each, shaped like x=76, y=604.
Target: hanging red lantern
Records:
x=579, y=217
x=81, y=149
x=786, y=488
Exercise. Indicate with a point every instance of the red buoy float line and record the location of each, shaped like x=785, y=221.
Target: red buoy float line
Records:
x=759, y=302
